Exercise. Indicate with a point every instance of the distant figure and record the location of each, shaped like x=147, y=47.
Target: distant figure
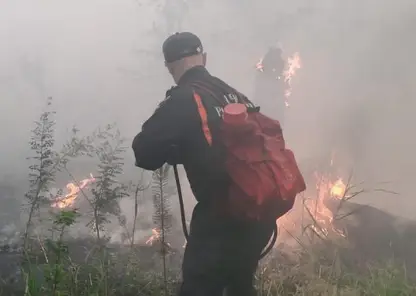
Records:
x=269, y=89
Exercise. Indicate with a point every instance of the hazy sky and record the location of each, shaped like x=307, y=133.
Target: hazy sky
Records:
x=99, y=60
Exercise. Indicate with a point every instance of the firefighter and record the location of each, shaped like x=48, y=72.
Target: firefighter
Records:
x=269, y=89
x=222, y=252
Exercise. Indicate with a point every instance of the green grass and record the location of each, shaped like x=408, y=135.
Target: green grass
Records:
x=107, y=274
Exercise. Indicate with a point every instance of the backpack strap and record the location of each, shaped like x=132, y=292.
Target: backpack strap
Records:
x=204, y=87
x=202, y=110
x=242, y=98
x=204, y=118
x=220, y=84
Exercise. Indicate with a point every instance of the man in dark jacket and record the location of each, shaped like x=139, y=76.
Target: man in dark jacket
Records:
x=222, y=253
x=270, y=86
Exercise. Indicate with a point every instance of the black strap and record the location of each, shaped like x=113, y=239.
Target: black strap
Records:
x=207, y=88
x=202, y=86
x=181, y=204
x=183, y=216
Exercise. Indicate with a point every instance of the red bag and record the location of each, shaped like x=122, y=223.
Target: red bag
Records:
x=265, y=175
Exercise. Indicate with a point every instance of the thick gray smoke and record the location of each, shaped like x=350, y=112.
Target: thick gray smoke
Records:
x=100, y=60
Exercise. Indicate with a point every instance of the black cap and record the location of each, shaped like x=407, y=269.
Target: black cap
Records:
x=180, y=45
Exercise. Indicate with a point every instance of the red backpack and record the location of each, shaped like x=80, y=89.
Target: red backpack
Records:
x=265, y=175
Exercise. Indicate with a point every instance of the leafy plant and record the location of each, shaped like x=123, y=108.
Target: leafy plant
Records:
x=46, y=162
x=42, y=172
x=108, y=190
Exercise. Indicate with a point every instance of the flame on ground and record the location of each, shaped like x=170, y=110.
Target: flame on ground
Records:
x=320, y=216
x=73, y=191
x=154, y=238
x=312, y=212
x=338, y=189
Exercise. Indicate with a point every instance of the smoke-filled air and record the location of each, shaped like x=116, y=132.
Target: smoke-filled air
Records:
x=82, y=215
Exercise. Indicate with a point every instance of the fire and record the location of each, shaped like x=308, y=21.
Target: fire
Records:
x=259, y=65
x=155, y=237
x=73, y=190
x=323, y=216
x=293, y=64
x=338, y=189
x=314, y=209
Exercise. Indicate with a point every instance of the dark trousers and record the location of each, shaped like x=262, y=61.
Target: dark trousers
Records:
x=222, y=255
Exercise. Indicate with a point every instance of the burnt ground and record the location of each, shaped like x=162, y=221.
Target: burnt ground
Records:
x=374, y=235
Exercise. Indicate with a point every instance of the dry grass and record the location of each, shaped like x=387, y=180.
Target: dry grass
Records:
x=318, y=275
x=317, y=271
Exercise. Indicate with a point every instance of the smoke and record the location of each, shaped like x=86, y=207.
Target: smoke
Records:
x=100, y=61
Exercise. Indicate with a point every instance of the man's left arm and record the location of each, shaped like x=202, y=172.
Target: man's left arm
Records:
x=161, y=133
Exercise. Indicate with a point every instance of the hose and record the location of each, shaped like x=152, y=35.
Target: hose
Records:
x=183, y=217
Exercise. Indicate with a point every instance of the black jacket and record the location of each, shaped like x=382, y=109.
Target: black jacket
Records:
x=174, y=134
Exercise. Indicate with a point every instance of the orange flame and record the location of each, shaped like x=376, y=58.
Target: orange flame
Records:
x=338, y=189
x=259, y=65
x=154, y=238
x=293, y=64
x=322, y=216
x=73, y=190
x=316, y=210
